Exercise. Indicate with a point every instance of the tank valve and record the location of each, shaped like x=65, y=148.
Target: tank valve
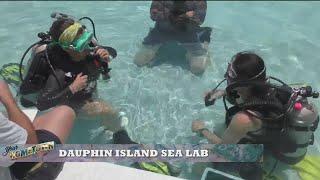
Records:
x=308, y=92
x=297, y=106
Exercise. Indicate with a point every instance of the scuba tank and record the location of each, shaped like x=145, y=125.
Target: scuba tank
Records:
x=302, y=120
x=293, y=126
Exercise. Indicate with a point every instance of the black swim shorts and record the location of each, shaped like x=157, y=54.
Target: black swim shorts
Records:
x=48, y=171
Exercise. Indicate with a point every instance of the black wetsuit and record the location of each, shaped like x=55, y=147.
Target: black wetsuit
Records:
x=52, y=87
x=169, y=27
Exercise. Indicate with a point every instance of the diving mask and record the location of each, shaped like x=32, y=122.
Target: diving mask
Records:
x=231, y=75
x=82, y=42
x=68, y=38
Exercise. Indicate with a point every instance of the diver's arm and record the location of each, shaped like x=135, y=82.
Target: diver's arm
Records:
x=158, y=11
x=230, y=136
x=238, y=128
x=15, y=114
x=199, y=127
x=211, y=137
x=52, y=94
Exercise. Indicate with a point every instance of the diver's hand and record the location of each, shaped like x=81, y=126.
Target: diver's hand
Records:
x=79, y=83
x=104, y=54
x=190, y=14
x=213, y=95
x=197, y=125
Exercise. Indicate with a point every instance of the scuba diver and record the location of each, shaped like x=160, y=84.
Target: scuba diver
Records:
x=178, y=21
x=273, y=114
x=65, y=66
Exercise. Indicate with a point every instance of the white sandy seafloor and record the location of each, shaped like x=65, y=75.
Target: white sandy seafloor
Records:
x=161, y=102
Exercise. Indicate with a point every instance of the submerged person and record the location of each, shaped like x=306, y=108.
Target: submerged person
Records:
x=277, y=116
x=65, y=71
x=17, y=128
x=178, y=21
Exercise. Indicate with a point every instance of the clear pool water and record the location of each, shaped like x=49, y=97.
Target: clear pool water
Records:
x=161, y=102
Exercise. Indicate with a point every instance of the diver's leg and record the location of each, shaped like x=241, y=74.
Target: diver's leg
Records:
x=58, y=121
x=197, y=57
x=52, y=126
x=110, y=120
x=110, y=117
x=97, y=107
x=146, y=54
x=150, y=47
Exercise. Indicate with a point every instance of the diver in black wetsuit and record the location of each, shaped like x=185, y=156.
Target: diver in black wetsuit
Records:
x=177, y=21
x=60, y=74
x=65, y=71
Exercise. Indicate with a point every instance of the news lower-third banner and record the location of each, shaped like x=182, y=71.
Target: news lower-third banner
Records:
x=51, y=152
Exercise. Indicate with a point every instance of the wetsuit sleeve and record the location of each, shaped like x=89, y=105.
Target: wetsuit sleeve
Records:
x=158, y=11
x=200, y=10
x=53, y=94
